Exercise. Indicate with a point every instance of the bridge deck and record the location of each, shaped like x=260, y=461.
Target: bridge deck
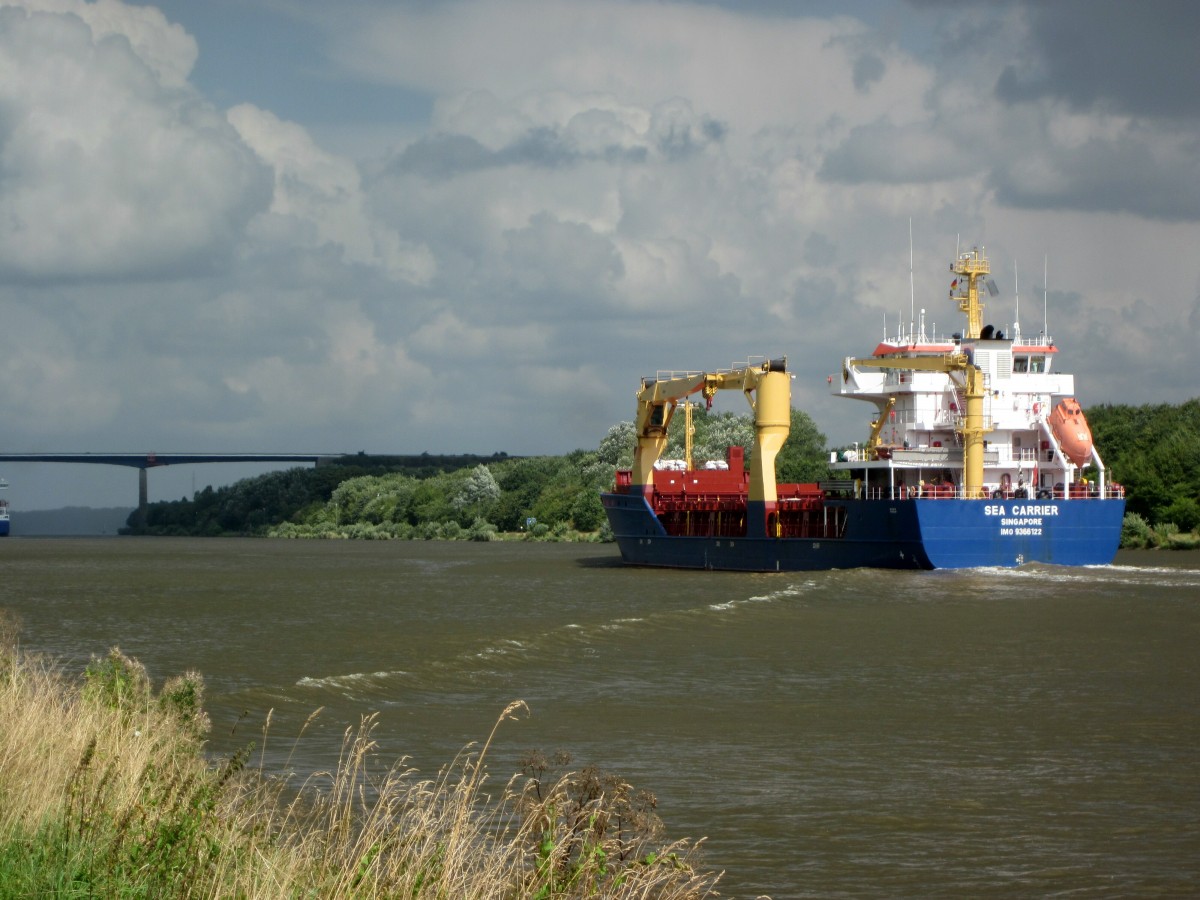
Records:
x=151, y=460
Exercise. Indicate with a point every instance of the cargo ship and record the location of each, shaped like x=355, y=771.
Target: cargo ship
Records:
x=978, y=455
x=5, y=521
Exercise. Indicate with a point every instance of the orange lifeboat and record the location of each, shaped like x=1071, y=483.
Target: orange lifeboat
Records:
x=1071, y=430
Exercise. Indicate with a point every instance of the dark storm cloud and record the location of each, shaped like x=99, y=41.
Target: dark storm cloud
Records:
x=681, y=140
x=449, y=155
x=1097, y=103
x=566, y=266
x=883, y=152
x=1111, y=55
x=1105, y=176
x=868, y=69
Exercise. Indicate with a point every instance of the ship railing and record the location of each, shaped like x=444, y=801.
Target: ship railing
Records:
x=957, y=492
x=672, y=374
x=945, y=457
x=1089, y=491
x=960, y=421
x=1042, y=340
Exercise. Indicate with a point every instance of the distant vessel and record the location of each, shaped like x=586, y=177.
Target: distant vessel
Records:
x=975, y=457
x=4, y=517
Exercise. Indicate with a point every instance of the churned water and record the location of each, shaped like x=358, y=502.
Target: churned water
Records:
x=987, y=733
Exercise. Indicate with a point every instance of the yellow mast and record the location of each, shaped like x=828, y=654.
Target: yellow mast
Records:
x=973, y=431
x=971, y=266
x=689, y=432
x=772, y=422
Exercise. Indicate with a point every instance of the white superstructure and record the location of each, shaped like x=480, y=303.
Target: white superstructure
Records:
x=917, y=435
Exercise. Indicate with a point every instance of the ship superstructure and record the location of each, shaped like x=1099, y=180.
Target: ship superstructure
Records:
x=1028, y=432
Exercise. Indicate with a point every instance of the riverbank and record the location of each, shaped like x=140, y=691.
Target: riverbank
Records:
x=106, y=790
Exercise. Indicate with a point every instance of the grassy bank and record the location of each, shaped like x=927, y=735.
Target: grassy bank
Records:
x=105, y=791
x=1138, y=534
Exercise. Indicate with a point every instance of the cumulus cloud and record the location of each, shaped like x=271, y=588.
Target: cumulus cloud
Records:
x=750, y=70
x=109, y=166
x=321, y=196
x=165, y=47
x=46, y=383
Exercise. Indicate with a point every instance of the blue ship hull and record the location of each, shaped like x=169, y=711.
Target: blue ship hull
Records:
x=4, y=526
x=891, y=534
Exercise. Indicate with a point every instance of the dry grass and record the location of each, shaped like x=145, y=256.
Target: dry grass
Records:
x=104, y=790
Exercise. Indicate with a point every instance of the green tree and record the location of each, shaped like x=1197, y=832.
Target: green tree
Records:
x=433, y=499
x=478, y=495
x=1183, y=512
x=803, y=457
x=616, y=447
x=1154, y=451
x=521, y=483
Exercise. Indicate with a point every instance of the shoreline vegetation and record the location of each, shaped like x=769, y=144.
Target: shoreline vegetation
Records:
x=1154, y=451
x=105, y=791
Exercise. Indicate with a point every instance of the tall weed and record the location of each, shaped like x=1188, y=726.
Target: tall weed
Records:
x=105, y=791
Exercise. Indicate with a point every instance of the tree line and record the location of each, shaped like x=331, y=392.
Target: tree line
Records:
x=459, y=497
x=1153, y=450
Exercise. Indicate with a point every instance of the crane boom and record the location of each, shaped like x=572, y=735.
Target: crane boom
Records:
x=767, y=388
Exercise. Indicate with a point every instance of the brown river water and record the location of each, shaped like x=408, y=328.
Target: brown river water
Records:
x=986, y=733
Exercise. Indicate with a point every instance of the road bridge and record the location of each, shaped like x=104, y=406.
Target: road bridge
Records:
x=145, y=461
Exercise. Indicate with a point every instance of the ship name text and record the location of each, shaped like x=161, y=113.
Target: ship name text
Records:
x=1020, y=510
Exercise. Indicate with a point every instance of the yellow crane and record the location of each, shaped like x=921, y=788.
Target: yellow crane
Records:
x=767, y=388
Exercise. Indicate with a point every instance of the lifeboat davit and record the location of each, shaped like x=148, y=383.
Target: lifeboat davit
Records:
x=1071, y=430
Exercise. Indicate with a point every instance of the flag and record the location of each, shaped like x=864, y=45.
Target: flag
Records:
x=954, y=284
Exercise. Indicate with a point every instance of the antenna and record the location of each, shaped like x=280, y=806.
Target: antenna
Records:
x=1046, y=296
x=912, y=291
x=1017, y=296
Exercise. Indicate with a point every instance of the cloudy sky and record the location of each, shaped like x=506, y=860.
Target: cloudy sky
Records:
x=472, y=225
